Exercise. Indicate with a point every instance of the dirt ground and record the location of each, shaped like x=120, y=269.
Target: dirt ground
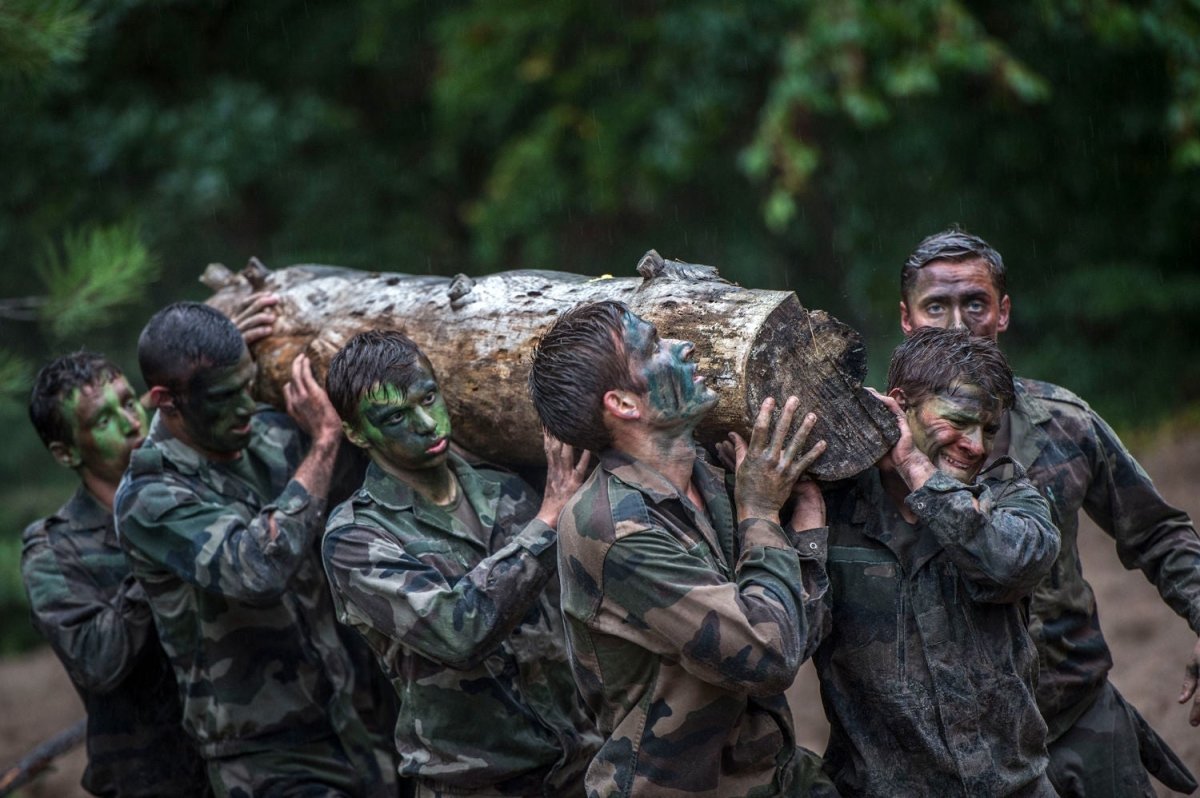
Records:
x=1150, y=645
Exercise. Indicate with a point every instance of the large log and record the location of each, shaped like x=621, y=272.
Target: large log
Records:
x=479, y=335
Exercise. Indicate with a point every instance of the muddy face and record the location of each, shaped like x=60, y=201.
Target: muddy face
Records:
x=217, y=408
x=407, y=427
x=956, y=429
x=954, y=295
x=107, y=423
x=663, y=366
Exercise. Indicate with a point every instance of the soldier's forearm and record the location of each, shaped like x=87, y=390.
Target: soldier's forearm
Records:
x=316, y=470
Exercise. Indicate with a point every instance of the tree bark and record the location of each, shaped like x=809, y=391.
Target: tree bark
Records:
x=479, y=334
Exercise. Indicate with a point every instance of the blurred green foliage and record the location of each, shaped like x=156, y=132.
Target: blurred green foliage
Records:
x=801, y=144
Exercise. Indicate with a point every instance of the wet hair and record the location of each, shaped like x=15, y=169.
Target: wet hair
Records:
x=56, y=382
x=183, y=337
x=933, y=360
x=954, y=245
x=368, y=360
x=581, y=358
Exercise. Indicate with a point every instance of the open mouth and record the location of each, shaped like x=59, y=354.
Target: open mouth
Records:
x=439, y=447
x=957, y=464
x=242, y=430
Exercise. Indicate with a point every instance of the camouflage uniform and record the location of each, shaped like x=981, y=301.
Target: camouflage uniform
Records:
x=95, y=616
x=686, y=628
x=468, y=630
x=928, y=673
x=246, y=620
x=1078, y=462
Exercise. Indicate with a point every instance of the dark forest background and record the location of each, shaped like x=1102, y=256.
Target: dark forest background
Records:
x=796, y=144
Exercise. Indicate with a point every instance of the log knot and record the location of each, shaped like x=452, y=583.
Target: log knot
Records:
x=460, y=286
x=653, y=266
x=256, y=273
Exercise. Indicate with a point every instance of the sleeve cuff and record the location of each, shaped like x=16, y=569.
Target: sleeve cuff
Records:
x=811, y=543
x=764, y=533
x=536, y=537
x=294, y=500
x=924, y=499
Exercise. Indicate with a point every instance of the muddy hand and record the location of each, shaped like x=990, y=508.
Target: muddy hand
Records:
x=255, y=318
x=564, y=476
x=770, y=463
x=309, y=405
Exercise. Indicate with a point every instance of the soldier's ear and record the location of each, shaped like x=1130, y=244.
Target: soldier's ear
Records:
x=354, y=436
x=65, y=455
x=160, y=397
x=622, y=405
x=1004, y=312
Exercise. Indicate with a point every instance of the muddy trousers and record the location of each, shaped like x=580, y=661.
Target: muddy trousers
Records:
x=1111, y=751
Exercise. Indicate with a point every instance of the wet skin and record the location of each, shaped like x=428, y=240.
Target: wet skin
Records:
x=217, y=409
x=955, y=429
x=675, y=393
x=405, y=428
x=107, y=424
x=952, y=295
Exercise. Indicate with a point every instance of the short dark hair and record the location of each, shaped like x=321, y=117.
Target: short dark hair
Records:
x=55, y=382
x=369, y=359
x=181, y=337
x=933, y=359
x=581, y=358
x=955, y=245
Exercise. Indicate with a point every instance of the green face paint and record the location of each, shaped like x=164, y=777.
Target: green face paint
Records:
x=406, y=427
x=674, y=391
x=107, y=423
x=217, y=408
x=956, y=429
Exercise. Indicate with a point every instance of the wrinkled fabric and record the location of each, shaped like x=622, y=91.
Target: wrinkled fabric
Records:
x=685, y=630
x=928, y=672
x=86, y=604
x=1078, y=462
x=246, y=619
x=467, y=629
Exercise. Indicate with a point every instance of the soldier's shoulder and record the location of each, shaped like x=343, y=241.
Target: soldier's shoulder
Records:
x=35, y=545
x=1050, y=393
x=341, y=516
x=355, y=511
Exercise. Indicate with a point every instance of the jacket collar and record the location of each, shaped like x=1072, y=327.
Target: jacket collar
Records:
x=1026, y=438
x=83, y=513
x=873, y=509
x=482, y=493
x=708, y=480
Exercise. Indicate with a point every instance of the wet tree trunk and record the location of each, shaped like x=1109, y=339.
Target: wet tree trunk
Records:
x=479, y=335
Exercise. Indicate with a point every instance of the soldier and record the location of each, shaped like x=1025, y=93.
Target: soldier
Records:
x=218, y=514
x=688, y=616
x=84, y=600
x=1099, y=744
x=448, y=571
x=927, y=673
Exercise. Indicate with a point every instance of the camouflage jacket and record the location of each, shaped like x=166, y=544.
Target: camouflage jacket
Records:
x=468, y=630
x=247, y=620
x=95, y=616
x=928, y=672
x=1078, y=462
x=686, y=628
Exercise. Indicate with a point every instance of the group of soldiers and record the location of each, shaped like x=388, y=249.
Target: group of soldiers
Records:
x=247, y=613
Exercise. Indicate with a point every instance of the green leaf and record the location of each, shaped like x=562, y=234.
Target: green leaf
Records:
x=104, y=269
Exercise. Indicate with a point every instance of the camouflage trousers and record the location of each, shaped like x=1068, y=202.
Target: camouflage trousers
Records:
x=320, y=769
x=1108, y=752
